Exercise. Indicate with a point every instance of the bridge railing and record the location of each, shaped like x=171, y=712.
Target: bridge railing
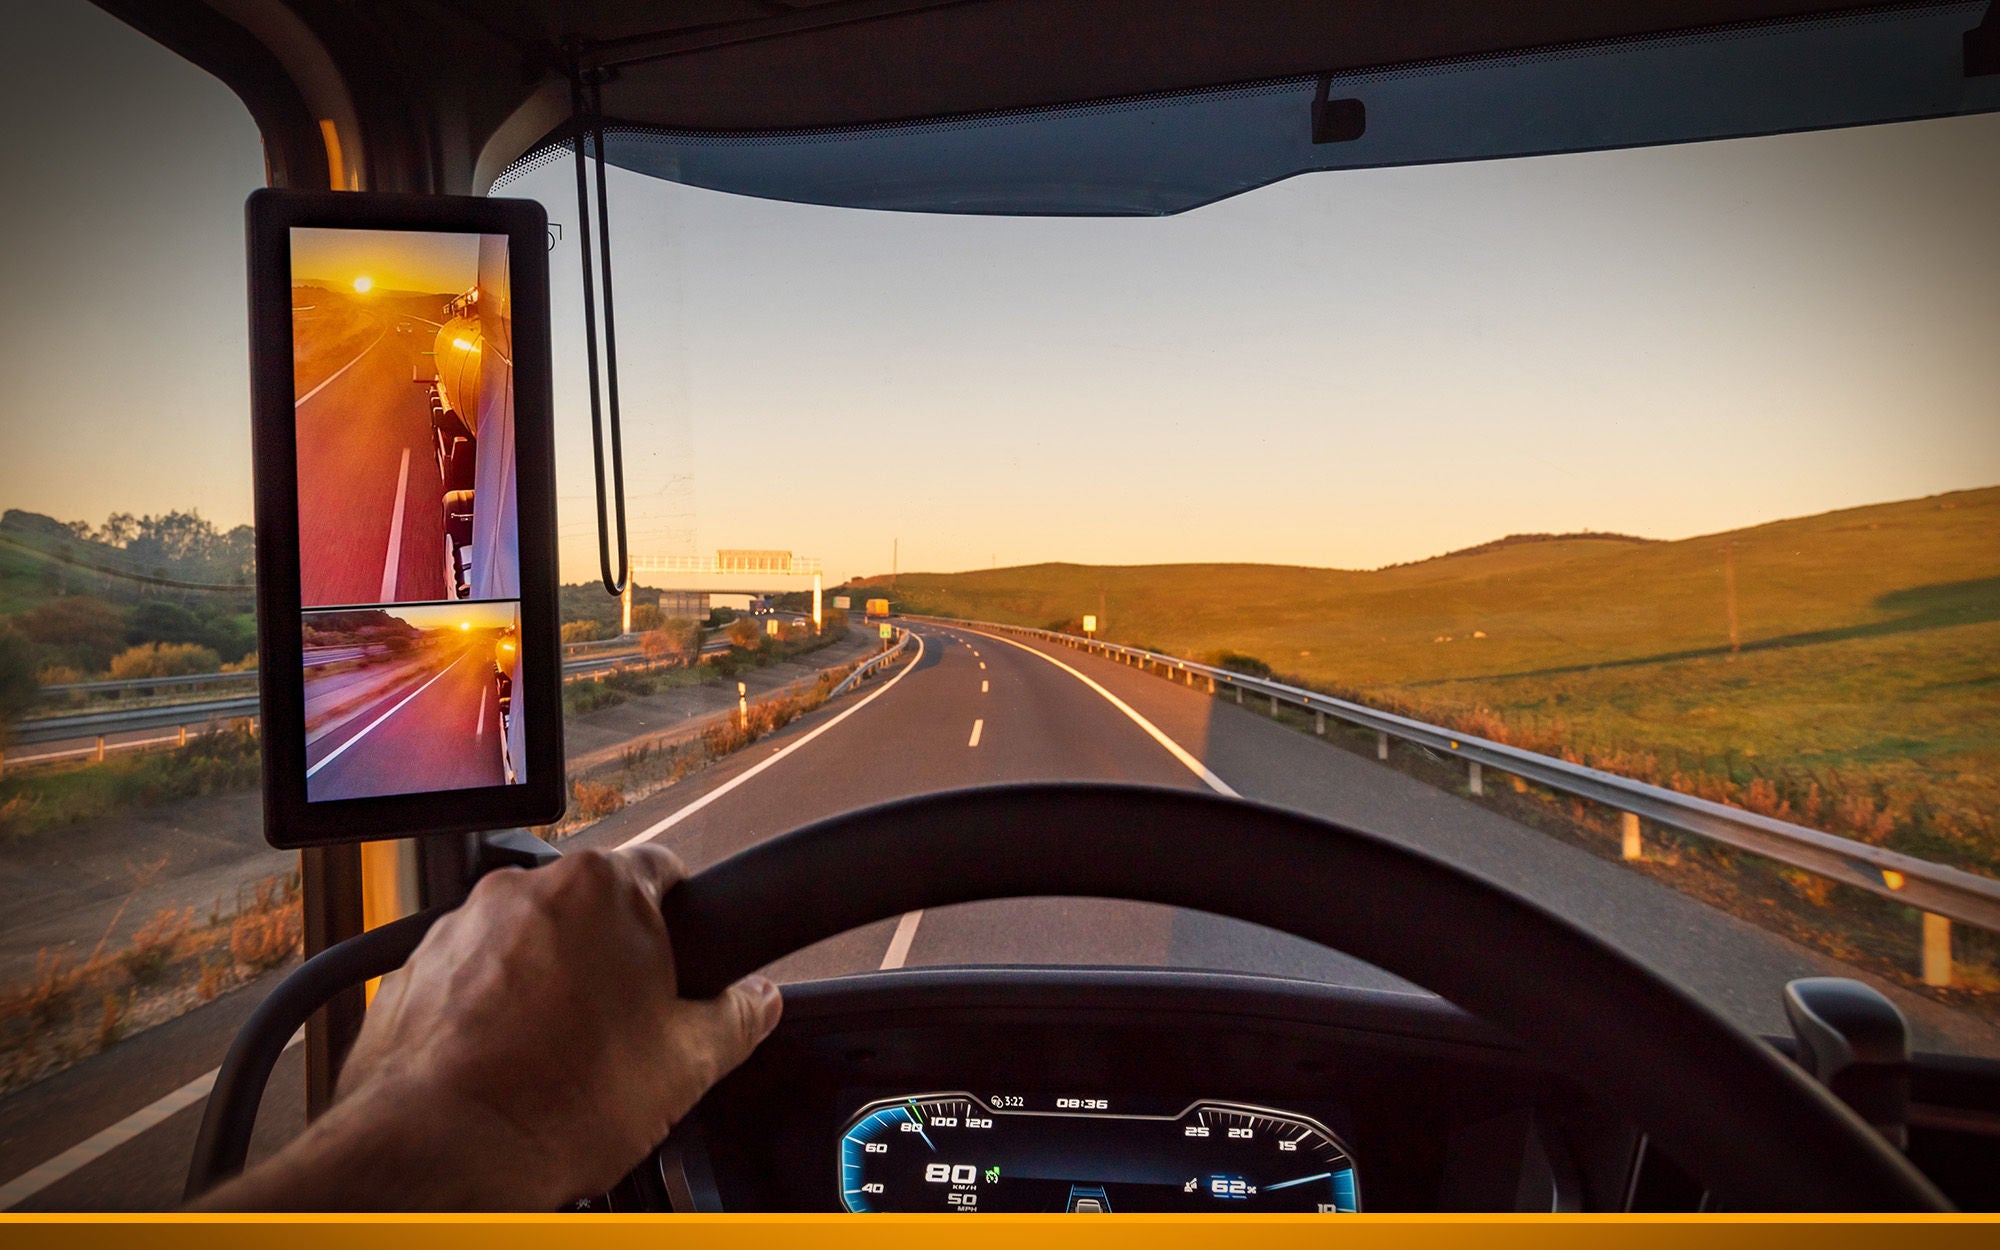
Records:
x=1942, y=893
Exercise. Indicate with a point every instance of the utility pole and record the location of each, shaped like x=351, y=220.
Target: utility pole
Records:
x=1729, y=594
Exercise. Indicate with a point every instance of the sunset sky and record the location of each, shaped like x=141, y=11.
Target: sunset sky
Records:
x=391, y=260
x=1342, y=369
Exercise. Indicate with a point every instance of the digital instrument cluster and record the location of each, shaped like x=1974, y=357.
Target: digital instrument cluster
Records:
x=959, y=1151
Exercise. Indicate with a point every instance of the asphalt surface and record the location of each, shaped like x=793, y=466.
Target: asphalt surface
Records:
x=368, y=474
x=974, y=709
x=438, y=728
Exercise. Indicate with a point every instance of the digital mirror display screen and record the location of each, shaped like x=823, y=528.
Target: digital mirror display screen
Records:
x=409, y=546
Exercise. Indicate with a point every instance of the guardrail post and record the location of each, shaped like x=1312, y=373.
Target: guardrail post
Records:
x=1381, y=745
x=1239, y=695
x=99, y=757
x=1937, y=949
x=1628, y=830
x=1475, y=779
x=1319, y=723
x=1274, y=705
x=1211, y=683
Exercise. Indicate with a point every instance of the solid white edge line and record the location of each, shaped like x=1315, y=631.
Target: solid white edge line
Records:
x=342, y=748
x=104, y=1141
x=899, y=942
x=1179, y=752
x=300, y=402
x=394, y=560
x=977, y=725
x=670, y=821
x=479, y=722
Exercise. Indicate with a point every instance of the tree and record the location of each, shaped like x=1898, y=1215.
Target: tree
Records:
x=679, y=641
x=743, y=633
x=18, y=688
x=159, y=621
x=646, y=616
x=79, y=628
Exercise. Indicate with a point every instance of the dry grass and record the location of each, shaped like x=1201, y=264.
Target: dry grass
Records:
x=69, y=1009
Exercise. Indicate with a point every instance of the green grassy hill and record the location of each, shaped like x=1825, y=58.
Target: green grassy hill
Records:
x=1868, y=675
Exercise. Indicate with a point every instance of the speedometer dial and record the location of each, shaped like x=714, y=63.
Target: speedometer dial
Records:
x=964, y=1152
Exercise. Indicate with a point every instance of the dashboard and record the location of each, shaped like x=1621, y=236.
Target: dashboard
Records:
x=1133, y=1090
x=1104, y=1090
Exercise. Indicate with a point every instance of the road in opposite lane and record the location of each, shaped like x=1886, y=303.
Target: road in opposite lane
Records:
x=439, y=729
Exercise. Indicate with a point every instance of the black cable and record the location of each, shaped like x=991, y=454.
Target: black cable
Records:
x=592, y=124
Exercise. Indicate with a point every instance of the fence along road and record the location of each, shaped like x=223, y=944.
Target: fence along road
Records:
x=1942, y=893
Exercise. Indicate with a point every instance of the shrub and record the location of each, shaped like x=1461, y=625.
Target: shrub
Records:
x=595, y=800
x=1237, y=662
x=163, y=659
x=153, y=945
x=111, y=1025
x=262, y=938
x=743, y=632
x=645, y=616
x=581, y=631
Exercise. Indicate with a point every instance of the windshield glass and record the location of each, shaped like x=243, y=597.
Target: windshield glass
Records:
x=1672, y=463
x=1618, y=525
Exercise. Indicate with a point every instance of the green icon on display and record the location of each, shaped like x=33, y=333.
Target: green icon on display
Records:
x=992, y=1174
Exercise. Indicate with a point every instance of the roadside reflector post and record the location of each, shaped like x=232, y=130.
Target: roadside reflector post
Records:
x=1628, y=828
x=1381, y=745
x=743, y=705
x=100, y=748
x=1937, y=949
x=1319, y=723
x=184, y=736
x=1475, y=778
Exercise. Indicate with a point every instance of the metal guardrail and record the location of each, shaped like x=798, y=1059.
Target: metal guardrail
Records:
x=869, y=665
x=126, y=720
x=1936, y=888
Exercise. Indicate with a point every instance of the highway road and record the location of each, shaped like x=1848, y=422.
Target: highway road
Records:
x=434, y=727
x=371, y=520
x=976, y=709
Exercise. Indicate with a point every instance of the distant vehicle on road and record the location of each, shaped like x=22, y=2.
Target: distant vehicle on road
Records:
x=878, y=607
x=761, y=607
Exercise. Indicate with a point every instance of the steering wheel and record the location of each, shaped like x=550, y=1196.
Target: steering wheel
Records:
x=1727, y=1106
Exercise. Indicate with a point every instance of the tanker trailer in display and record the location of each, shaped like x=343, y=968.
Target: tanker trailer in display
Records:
x=471, y=402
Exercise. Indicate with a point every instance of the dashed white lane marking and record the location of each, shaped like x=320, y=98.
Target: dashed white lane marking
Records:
x=342, y=748
x=977, y=726
x=1179, y=752
x=899, y=943
x=300, y=402
x=394, y=559
x=103, y=1142
x=669, y=822
x=982, y=665
x=982, y=687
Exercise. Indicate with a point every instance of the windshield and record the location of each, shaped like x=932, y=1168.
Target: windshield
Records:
x=1672, y=463
x=1618, y=525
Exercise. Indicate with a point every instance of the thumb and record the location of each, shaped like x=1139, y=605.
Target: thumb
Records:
x=726, y=1028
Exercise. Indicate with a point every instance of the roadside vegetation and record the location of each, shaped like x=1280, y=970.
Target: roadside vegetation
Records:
x=78, y=1004
x=676, y=647
x=1840, y=670
x=36, y=801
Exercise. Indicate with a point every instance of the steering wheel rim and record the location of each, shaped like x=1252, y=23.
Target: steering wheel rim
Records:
x=1727, y=1106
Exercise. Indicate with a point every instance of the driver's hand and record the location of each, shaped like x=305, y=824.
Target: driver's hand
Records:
x=531, y=1051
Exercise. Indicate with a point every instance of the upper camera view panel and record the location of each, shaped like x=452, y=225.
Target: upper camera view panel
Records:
x=402, y=367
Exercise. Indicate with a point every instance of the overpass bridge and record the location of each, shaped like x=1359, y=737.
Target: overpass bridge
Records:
x=730, y=571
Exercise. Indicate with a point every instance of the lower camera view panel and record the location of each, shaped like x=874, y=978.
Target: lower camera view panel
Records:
x=1010, y=1152
x=411, y=699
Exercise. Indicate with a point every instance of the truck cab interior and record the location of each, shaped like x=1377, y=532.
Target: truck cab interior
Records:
x=1544, y=1069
